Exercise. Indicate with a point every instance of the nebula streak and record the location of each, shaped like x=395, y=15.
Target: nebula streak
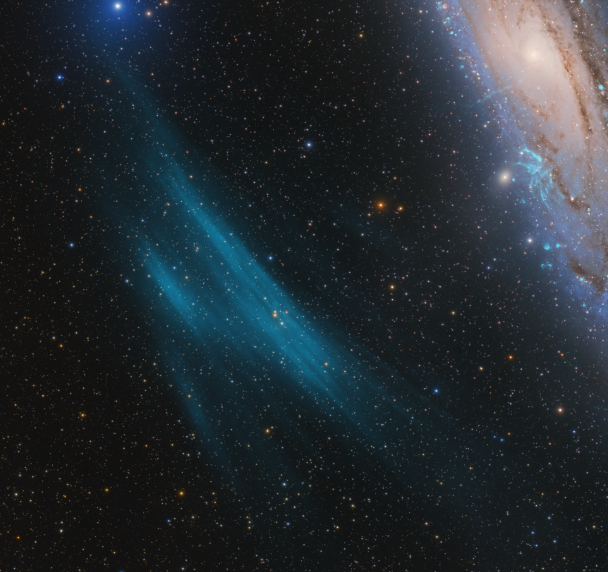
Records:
x=254, y=367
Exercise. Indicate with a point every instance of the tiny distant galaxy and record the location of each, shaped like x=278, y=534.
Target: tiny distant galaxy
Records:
x=305, y=287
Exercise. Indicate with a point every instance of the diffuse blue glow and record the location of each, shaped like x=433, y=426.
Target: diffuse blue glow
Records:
x=227, y=315
x=248, y=361
x=232, y=311
x=226, y=290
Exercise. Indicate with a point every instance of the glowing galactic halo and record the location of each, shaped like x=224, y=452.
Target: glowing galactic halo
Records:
x=543, y=65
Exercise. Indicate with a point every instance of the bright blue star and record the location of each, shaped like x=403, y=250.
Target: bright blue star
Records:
x=435, y=391
x=309, y=144
x=270, y=257
x=71, y=245
x=59, y=77
x=118, y=5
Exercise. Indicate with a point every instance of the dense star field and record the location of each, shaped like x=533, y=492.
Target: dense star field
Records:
x=294, y=286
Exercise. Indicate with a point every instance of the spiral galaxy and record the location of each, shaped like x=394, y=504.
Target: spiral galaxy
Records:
x=545, y=65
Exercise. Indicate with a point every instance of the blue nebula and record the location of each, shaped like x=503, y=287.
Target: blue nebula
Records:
x=539, y=175
x=250, y=364
x=215, y=304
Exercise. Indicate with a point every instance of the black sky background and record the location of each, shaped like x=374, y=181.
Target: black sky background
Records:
x=102, y=470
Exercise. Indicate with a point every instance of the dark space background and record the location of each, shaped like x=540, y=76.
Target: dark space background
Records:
x=340, y=139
